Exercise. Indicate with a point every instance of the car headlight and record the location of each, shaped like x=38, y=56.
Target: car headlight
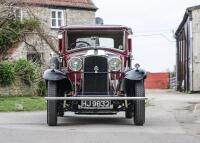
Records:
x=115, y=64
x=75, y=64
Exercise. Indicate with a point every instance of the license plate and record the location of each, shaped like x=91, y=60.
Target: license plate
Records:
x=96, y=104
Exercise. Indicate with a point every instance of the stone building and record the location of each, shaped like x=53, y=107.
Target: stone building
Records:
x=188, y=51
x=52, y=14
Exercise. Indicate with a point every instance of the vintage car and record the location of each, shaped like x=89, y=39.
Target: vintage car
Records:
x=93, y=74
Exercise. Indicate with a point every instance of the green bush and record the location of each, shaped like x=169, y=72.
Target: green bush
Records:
x=7, y=73
x=30, y=74
x=41, y=88
x=27, y=71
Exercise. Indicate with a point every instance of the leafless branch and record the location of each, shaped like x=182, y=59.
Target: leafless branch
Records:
x=43, y=34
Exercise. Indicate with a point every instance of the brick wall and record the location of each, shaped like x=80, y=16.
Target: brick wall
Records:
x=157, y=81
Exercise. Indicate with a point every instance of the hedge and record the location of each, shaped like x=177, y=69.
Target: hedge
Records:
x=28, y=72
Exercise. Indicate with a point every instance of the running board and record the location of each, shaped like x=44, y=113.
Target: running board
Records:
x=96, y=98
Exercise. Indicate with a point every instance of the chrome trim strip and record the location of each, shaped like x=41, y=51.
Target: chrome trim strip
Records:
x=75, y=82
x=98, y=72
x=83, y=76
x=96, y=98
x=98, y=48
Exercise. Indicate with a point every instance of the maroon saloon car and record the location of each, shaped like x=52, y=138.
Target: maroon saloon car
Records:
x=93, y=74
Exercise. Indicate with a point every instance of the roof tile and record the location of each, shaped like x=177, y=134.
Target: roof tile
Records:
x=87, y=4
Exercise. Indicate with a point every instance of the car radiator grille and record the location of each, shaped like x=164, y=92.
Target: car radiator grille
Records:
x=95, y=83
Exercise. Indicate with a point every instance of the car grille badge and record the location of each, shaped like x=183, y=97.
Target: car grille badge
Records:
x=96, y=69
x=95, y=52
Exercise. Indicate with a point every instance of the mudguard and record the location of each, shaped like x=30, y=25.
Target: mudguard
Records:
x=60, y=77
x=54, y=75
x=135, y=74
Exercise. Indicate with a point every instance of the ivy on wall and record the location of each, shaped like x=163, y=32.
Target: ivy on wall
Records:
x=14, y=31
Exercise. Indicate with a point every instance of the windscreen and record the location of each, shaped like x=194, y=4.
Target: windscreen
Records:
x=104, y=39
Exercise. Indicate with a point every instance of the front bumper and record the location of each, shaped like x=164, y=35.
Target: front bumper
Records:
x=73, y=104
x=113, y=98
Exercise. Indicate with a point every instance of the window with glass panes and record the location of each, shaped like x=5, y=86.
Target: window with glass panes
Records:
x=57, y=18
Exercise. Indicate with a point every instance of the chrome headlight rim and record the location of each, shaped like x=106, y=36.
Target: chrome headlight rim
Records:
x=52, y=66
x=78, y=68
x=117, y=67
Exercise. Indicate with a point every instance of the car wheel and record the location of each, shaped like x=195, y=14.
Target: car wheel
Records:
x=139, y=105
x=129, y=112
x=52, y=104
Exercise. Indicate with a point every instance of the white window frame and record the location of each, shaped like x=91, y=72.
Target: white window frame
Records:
x=62, y=18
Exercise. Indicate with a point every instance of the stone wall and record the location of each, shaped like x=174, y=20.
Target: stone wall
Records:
x=20, y=52
x=71, y=17
x=80, y=17
x=17, y=89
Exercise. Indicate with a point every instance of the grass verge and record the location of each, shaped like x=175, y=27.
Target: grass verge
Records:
x=16, y=104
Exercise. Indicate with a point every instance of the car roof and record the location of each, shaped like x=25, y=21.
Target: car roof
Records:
x=94, y=27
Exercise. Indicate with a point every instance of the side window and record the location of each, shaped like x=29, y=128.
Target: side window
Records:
x=57, y=18
x=35, y=57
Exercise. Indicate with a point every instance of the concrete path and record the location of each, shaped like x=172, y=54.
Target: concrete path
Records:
x=170, y=118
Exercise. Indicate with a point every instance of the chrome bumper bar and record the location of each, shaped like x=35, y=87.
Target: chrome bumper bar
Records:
x=96, y=98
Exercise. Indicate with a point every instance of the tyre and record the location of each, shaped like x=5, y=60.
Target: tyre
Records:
x=60, y=93
x=52, y=104
x=139, y=105
x=129, y=114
